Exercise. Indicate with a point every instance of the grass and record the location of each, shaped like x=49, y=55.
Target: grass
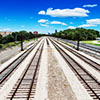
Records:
x=88, y=42
x=13, y=44
x=91, y=42
x=97, y=44
x=99, y=41
x=67, y=44
x=26, y=41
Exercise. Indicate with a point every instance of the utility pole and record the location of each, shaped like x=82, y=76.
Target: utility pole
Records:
x=78, y=43
x=22, y=39
x=16, y=38
x=22, y=45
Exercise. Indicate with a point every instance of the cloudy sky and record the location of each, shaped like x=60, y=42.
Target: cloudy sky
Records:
x=47, y=15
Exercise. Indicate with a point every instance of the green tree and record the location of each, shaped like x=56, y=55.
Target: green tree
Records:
x=71, y=34
x=0, y=38
x=21, y=36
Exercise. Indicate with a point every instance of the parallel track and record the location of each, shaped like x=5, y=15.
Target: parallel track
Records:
x=47, y=42
x=25, y=87
x=7, y=71
x=84, y=58
x=90, y=47
x=89, y=82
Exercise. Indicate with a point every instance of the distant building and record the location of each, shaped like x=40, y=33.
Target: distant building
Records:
x=98, y=39
x=48, y=33
x=55, y=31
x=5, y=33
x=35, y=32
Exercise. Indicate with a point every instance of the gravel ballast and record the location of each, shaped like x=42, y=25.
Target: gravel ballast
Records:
x=58, y=86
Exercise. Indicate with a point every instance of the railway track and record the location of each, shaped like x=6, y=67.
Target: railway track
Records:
x=25, y=87
x=47, y=42
x=8, y=71
x=90, y=47
x=88, y=81
x=82, y=57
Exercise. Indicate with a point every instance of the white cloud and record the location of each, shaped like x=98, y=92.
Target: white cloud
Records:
x=94, y=5
x=44, y=25
x=76, y=12
x=87, y=25
x=42, y=12
x=71, y=27
x=93, y=21
x=57, y=22
x=5, y=29
x=42, y=21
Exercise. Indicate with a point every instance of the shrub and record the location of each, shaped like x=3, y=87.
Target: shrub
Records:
x=1, y=46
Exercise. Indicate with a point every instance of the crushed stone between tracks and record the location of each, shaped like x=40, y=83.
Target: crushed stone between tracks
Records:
x=58, y=86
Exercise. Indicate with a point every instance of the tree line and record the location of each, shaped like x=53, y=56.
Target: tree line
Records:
x=18, y=36
x=78, y=34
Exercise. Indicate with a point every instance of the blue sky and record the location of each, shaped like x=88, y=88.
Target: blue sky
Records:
x=47, y=15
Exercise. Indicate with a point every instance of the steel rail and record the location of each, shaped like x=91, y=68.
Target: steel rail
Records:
x=38, y=62
x=25, y=72
x=60, y=50
x=85, y=46
x=47, y=42
x=84, y=58
x=13, y=67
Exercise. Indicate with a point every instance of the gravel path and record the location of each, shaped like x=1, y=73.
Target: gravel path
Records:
x=10, y=52
x=58, y=86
